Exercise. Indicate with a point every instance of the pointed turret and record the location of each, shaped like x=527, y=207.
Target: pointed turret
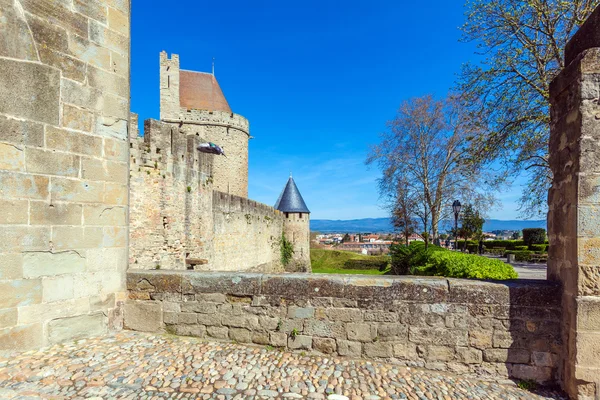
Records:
x=290, y=200
x=296, y=226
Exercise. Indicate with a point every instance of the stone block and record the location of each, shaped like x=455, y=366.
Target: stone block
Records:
x=115, y=106
x=92, y=8
x=116, y=150
x=109, y=38
x=301, y=312
x=29, y=91
x=361, y=332
x=300, y=342
x=480, y=339
x=68, y=237
x=344, y=314
x=57, y=288
x=439, y=353
x=81, y=95
x=469, y=356
x=21, y=338
x=516, y=356
x=16, y=38
x=71, y=68
x=51, y=163
x=119, y=64
x=381, y=316
x=45, y=312
x=114, y=236
x=116, y=194
x=588, y=313
x=106, y=259
x=240, y=335
x=588, y=349
x=103, y=215
x=379, y=349
x=538, y=374
x=57, y=13
x=8, y=318
x=439, y=336
x=143, y=316
x=386, y=332
x=108, y=82
x=118, y=21
x=278, y=339
x=218, y=298
x=502, y=339
x=78, y=119
x=324, y=345
x=24, y=238
x=11, y=266
x=187, y=318
x=44, y=213
x=73, y=142
x=261, y=338
x=21, y=132
x=209, y=319
x=95, y=169
x=76, y=190
x=348, y=348
x=314, y=327
x=103, y=302
x=240, y=284
x=202, y=307
x=25, y=186
x=13, y=211
x=12, y=157
x=18, y=293
x=544, y=359
x=218, y=332
x=78, y=327
x=189, y=330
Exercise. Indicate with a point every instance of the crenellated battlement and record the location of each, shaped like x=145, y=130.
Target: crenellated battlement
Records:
x=224, y=202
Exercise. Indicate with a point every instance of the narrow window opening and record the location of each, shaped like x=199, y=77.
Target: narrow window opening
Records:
x=287, y=215
x=157, y=150
x=300, y=215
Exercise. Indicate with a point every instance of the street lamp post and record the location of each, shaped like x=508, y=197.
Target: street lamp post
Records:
x=456, y=208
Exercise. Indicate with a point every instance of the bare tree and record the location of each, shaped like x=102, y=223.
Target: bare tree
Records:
x=521, y=44
x=404, y=210
x=422, y=153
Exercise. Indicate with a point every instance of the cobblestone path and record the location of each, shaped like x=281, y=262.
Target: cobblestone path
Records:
x=142, y=366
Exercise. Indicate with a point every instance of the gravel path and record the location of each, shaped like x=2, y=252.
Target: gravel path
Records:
x=143, y=366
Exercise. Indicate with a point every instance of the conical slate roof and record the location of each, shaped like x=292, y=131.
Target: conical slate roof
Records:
x=290, y=200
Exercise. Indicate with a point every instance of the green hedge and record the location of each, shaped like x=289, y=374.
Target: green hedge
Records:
x=473, y=248
x=539, y=247
x=497, y=251
x=507, y=244
x=523, y=255
x=417, y=260
x=534, y=236
x=378, y=263
x=459, y=265
x=521, y=248
x=460, y=245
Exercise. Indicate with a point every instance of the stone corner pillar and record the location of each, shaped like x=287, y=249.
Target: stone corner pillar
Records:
x=574, y=209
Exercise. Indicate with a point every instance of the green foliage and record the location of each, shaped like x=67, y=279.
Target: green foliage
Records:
x=507, y=244
x=521, y=248
x=522, y=255
x=157, y=266
x=534, y=236
x=527, y=384
x=538, y=248
x=294, y=333
x=189, y=189
x=378, y=263
x=460, y=265
x=472, y=223
x=497, y=251
x=460, y=245
x=286, y=249
x=473, y=248
x=405, y=258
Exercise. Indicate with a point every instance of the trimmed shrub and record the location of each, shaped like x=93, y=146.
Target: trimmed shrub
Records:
x=459, y=265
x=403, y=258
x=507, y=244
x=521, y=248
x=499, y=251
x=534, y=236
x=541, y=248
x=523, y=255
x=378, y=263
x=473, y=248
x=460, y=245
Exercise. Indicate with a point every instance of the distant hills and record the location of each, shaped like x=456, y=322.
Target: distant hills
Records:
x=383, y=225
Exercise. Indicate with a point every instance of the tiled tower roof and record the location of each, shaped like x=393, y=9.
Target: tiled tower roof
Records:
x=201, y=91
x=290, y=199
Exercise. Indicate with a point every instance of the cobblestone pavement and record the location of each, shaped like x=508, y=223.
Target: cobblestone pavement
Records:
x=130, y=365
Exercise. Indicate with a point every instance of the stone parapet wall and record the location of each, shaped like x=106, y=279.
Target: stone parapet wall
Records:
x=495, y=330
x=246, y=236
x=214, y=118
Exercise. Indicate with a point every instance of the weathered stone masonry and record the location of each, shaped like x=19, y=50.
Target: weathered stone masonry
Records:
x=177, y=219
x=64, y=106
x=574, y=209
x=495, y=330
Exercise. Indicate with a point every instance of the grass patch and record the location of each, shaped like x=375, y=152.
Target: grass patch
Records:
x=337, y=262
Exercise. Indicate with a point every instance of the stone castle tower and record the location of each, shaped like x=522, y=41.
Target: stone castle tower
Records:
x=296, y=225
x=194, y=102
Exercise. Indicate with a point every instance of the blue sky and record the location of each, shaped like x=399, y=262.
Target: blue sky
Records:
x=317, y=80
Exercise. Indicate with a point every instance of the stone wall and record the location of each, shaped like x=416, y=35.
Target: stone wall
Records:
x=64, y=106
x=178, y=220
x=574, y=205
x=494, y=330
